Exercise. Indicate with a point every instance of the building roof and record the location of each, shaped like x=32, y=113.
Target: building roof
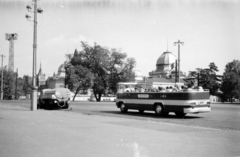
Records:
x=166, y=58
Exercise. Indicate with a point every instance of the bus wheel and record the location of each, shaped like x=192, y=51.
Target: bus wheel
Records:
x=141, y=111
x=158, y=110
x=123, y=108
x=180, y=114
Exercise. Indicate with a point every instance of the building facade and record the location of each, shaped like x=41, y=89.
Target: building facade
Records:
x=55, y=81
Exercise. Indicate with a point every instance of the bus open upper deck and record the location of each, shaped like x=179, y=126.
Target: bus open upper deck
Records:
x=181, y=102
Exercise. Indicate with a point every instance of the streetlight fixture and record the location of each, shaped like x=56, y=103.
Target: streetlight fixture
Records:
x=34, y=85
x=178, y=43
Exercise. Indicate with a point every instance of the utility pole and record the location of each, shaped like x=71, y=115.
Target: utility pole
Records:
x=34, y=85
x=176, y=69
x=11, y=38
x=178, y=43
x=2, y=78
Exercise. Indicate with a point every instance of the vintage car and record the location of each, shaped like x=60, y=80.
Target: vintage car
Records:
x=54, y=98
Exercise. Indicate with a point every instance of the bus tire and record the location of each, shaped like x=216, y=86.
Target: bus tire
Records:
x=123, y=108
x=141, y=111
x=180, y=114
x=158, y=108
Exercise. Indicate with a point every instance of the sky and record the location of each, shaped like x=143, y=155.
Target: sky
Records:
x=144, y=29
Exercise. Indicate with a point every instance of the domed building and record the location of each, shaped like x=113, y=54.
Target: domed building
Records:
x=166, y=66
x=54, y=81
x=166, y=70
x=57, y=80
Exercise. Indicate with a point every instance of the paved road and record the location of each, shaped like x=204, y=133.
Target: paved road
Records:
x=224, y=116
x=99, y=129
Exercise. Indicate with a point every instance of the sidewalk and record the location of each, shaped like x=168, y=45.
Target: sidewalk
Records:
x=43, y=133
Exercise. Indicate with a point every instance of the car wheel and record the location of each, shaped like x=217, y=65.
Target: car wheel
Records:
x=66, y=106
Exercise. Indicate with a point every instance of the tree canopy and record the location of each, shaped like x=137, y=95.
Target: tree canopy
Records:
x=231, y=80
x=106, y=67
x=207, y=78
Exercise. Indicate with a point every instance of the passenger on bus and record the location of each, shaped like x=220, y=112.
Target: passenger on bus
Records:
x=190, y=88
x=121, y=90
x=175, y=89
x=142, y=90
x=161, y=89
x=168, y=89
x=200, y=89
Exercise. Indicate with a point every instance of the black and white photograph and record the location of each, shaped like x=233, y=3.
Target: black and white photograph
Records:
x=119, y=78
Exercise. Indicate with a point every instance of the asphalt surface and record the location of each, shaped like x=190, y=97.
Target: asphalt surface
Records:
x=103, y=133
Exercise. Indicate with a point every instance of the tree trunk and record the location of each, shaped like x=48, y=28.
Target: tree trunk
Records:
x=97, y=96
x=75, y=94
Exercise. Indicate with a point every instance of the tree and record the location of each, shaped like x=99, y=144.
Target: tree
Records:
x=8, y=84
x=120, y=68
x=108, y=67
x=77, y=78
x=207, y=78
x=26, y=84
x=231, y=80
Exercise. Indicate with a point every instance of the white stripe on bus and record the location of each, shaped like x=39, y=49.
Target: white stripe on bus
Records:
x=164, y=102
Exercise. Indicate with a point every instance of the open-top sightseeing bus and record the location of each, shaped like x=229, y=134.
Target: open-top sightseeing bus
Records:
x=180, y=101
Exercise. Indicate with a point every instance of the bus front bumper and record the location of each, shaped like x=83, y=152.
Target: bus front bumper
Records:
x=197, y=109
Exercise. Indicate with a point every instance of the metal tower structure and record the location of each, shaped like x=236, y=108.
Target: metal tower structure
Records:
x=178, y=43
x=11, y=38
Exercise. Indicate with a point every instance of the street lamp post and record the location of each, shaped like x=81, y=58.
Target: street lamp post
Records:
x=34, y=85
x=178, y=43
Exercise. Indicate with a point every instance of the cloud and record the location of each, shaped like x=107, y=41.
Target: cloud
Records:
x=81, y=38
x=63, y=39
x=56, y=40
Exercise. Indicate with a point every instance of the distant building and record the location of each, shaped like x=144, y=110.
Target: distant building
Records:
x=166, y=67
x=41, y=79
x=57, y=80
x=165, y=72
x=54, y=81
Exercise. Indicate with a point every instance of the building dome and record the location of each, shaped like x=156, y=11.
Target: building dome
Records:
x=166, y=58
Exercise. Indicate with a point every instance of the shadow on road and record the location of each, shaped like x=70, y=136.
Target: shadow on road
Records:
x=226, y=103
x=148, y=115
